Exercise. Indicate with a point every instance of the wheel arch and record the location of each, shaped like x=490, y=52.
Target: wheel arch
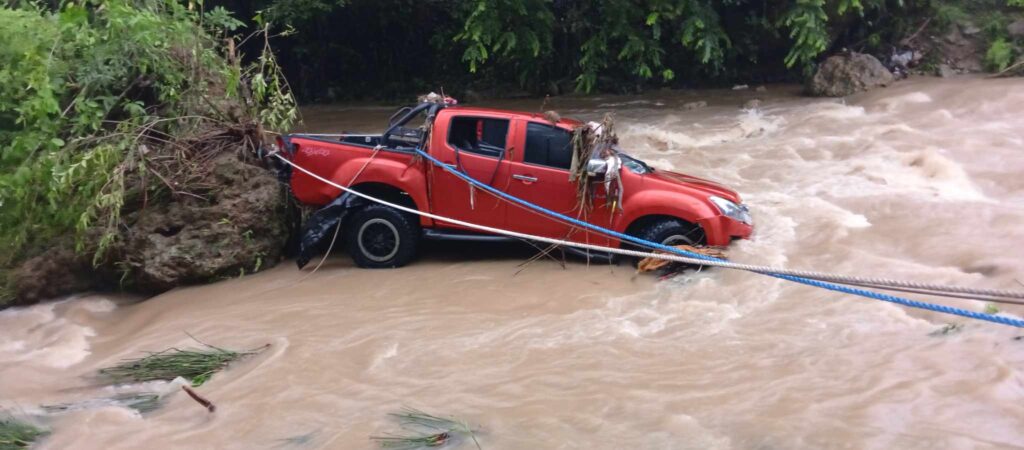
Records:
x=391, y=194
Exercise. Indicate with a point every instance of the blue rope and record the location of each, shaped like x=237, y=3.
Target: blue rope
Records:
x=807, y=281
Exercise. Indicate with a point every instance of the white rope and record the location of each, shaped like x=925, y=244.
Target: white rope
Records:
x=933, y=289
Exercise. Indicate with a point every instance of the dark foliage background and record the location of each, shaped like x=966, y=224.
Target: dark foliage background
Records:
x=354, y=49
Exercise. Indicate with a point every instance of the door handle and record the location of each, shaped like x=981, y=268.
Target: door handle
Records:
x=525, y=178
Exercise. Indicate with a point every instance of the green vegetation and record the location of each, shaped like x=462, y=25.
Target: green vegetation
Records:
x=16, y=435
x=197, y=366
x=342, y=49
x=345, y=49
x=425, y=430
x=101, y=102
x=999, y=55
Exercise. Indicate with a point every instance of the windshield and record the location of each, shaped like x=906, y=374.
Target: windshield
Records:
x=634, y=165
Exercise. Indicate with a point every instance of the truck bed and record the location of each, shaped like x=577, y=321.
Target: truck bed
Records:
x=339, y=157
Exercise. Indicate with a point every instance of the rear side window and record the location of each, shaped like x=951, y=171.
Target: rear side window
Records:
x=478, y=135
x=547, y=145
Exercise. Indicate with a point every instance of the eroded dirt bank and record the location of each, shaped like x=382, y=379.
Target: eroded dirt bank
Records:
x=919, y=181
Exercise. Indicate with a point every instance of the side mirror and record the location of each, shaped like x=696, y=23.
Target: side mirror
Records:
x=597, y=167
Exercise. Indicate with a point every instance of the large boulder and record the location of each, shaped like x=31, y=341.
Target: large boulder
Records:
x=1016, y=28
x=57, y=271
x=848, y=73
x=238, y=227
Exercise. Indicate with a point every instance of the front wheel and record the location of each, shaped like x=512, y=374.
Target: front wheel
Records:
x=670, y=232
x=381, y=237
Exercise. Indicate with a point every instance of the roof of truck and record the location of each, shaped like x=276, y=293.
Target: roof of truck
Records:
x=504, y=112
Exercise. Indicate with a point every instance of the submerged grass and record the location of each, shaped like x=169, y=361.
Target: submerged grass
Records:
x=425, y=431
x=195, y=365
x=142, y=402
x=17, y=435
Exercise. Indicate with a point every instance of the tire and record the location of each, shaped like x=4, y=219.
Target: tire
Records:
x=381, y=237
x=671, y=232
x=668, y=232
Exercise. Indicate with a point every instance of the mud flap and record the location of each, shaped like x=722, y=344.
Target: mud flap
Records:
x=319, y=229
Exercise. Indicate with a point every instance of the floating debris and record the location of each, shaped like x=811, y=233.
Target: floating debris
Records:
x=426, y=431
x=671, y=268
x=141, y=402
x=200, y=399
x=16, y=435
x=299, y=440
x=948, y=328
x=197, y=366
x=694, y=105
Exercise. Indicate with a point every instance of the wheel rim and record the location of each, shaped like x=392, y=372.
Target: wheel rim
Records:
x=677, y=239
x=378, y=240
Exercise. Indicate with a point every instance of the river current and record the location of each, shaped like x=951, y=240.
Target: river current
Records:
x=923, y=180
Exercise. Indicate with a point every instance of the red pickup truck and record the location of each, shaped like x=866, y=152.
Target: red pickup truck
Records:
x=523, y=154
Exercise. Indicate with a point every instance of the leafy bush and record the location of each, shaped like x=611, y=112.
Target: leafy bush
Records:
x=999, y=55
x=93, y=96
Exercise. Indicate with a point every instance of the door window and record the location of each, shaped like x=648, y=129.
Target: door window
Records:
x=478, y=135
x=548, y=145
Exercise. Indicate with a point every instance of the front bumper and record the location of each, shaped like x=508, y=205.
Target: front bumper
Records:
x=721, y=230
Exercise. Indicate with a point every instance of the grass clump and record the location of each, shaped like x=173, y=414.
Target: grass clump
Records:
x=424, y=430
x=999, y=55
x=17, y=435
x=195, y=365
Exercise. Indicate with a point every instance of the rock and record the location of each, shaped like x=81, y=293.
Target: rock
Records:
x=56, y=272
x=960, y=51
x=761, y=89
x=1016, y=28
x=471, y=96
x=945, y=71
x=740, y=87
x=752, y=104
x=845, y=74
x=694, y=105
x=241, y=229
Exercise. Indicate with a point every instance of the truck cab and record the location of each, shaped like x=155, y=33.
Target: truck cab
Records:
x=524, y=155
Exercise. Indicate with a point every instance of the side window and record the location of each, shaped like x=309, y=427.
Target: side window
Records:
x=478, y=135
x=548, y=145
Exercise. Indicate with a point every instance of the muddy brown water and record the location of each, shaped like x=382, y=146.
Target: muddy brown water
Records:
x=923, y=181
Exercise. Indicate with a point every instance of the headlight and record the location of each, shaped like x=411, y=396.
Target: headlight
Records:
x=732, y=210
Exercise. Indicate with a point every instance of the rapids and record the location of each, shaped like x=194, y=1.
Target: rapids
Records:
x=923, y=180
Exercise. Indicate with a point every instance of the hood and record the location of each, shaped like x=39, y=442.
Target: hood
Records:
x=694, y=183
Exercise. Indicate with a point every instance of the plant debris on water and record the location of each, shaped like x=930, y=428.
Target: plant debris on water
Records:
x=948, y=328
x=17, y=435
x=425, y=430
x=195, y=365
x=142, y=402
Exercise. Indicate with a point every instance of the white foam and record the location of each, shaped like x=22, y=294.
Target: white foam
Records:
x=38, y=335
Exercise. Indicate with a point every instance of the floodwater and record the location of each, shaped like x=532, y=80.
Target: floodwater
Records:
x=921, y=181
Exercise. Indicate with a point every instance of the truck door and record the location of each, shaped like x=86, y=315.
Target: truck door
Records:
x=541, y=176
x=477, y=146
